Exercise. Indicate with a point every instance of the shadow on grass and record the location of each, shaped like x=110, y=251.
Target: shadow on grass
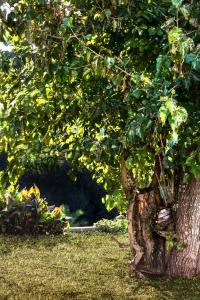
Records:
x=79, y=266
x=167, y=288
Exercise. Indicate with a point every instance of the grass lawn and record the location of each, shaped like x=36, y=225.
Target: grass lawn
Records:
x=79, y=266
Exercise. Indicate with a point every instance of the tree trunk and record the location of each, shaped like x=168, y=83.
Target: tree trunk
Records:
x=147, y=245
x=155, y=223
x=149, y=241
x=186, y=262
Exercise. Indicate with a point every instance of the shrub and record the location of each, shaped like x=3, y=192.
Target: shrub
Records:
x=75, y=216
x=25, y=212
x=118, y=225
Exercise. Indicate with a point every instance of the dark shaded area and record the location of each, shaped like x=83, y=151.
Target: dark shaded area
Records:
x=3, y=161
x=58, y=188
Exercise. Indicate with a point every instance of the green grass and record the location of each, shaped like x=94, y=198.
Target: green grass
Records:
x=79, y=267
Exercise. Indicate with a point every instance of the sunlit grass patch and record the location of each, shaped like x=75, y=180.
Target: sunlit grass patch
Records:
x=79, y=266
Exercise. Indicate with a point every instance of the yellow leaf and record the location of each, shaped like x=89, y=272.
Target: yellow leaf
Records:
x=124, y=86
x=32, y=191
x=40, y=101
x=57, y=211
x=37, y=191
x=25, y=194
x=15, y=38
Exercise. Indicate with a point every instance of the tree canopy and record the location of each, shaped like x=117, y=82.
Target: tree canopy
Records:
x=93, y=81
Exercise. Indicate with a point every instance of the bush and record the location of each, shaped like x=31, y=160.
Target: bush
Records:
x=118, y=225
x=26, y=212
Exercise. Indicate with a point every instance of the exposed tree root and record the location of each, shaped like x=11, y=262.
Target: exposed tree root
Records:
x=120, y=244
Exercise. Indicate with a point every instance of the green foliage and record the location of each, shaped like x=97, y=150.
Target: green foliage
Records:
x=118, y=225
x=25, y=212
x=177, y=3
x=74, y=216
x=141, y=162
x=172, y=242
x=88, y=81
x=116, y=200
x=193, y=162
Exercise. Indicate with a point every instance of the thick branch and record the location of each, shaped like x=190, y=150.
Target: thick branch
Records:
x=137, y=250
x=130, y=189
x=129, y=183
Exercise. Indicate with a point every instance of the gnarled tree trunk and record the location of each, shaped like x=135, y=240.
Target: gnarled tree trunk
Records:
x=149, y=236
x=147, y=246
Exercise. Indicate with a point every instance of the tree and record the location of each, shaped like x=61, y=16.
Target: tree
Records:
x=112, y=85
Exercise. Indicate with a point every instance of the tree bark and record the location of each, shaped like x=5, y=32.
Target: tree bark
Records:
x=186, y=262
x=149, y=237
x=146, y=245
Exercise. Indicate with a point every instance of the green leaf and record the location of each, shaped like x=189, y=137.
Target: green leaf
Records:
x=21, y=147
x=163, y=113
x=131, y=134
x=170, y=105
x=137, y=93
x=110, y=61
x=88, y=37
x=99, y=16
x=175, y=35
x=41, y=101
x=169, y=245
x=152, y=31
x=68, y=22
x=34, y=93
x=139, y=132
x=190, y=161
x=107, y=13
x=196, y=170
x=117, y=80
x=175, y=137
x=177, y=3
x=185, y=9
x=190, y=58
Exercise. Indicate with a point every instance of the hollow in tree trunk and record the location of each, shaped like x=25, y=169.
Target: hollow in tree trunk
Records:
x=155, y=223
x=149, y=238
